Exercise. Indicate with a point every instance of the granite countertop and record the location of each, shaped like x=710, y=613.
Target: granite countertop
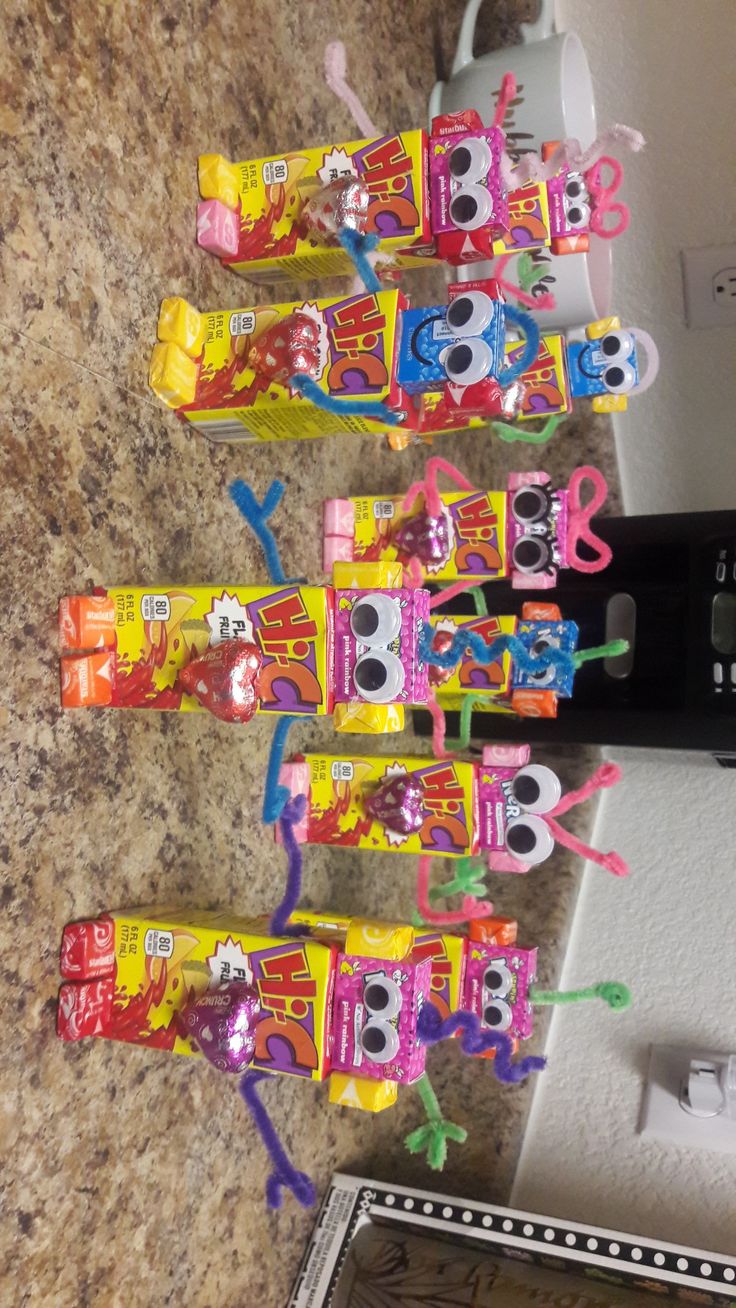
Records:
x=135, y=1177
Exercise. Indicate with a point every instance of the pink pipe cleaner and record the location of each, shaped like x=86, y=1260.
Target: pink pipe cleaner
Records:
x=569, y=154
x=546, y=301
x=413, y=573
x=335, y=73
x=470, y=909
x=607, y=775
x=505, y=96
x=578, y=520
x=439, y=726
x=428, y=486
x=449, y=592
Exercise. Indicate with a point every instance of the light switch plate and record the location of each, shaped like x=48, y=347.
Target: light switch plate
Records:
x=662, y=1116
x=709, y=284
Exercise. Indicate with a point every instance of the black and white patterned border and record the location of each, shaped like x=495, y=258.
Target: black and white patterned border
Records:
x=646, y=1264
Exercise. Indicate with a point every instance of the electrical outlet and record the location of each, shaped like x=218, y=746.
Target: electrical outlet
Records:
x=709, y=282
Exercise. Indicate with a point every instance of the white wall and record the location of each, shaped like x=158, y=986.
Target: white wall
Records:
x=666, y=67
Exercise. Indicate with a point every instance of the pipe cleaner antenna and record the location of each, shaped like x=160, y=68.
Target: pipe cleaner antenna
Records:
x=256, y=515
x=291, y=815
x=284, y=1175
x=484, y=652
x=428, y=485
x=432, y=1028
x=335, y=77
x=613, y=993
x=505, y=96
x=431, y=1138
x=569, y=154
x=611, y=650
x=607, y=775
x=275, y=795
x=471, y=907
x=510, y=434
x=309, y=390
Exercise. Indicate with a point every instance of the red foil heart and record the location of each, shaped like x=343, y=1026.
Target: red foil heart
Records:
x=441, y=642
x=223, y=1025
x=398, y=804
x=225, y=680
x=290, y=345
x=340, y=204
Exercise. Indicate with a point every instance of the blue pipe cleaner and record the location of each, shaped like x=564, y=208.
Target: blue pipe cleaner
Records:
x=357, y=245
x=256, y=515
x=485, y=653
x=284, y=1173
x=531, y=345
x=291, y=814
x=276, y=796
x=307, y=387
x=431, y=1028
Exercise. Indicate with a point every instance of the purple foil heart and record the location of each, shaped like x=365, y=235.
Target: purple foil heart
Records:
x=429, y=539
x=398, y=804
x=222, y=1023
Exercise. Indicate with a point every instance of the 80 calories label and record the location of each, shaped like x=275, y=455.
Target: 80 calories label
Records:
x=275, y=171
x=242, y=324
x=155, y=608
x=342, y=770
x=158, y=944
x=383, y=509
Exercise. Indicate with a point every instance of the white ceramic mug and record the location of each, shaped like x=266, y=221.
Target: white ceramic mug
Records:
x=555, y=100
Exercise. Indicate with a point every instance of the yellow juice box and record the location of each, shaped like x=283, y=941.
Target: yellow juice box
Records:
x=528, y=221
x=491, y=680
x=366, y=527
x=547, y=382
x=216, y=388
x=146, y=635
x=251, y=215
x=337, y=787
x=128, y=974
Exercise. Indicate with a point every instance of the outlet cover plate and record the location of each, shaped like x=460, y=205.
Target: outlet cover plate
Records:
x=709, y=285
x=662, y=1116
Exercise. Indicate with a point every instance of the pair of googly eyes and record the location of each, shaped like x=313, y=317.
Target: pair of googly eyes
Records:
x=471, y=206
x=537, y=790
x=470, y=358
x=618, y=376
x=497, y=982
x=531, y=505
x=379, y=1039
x=378, y=675
x=575, y=199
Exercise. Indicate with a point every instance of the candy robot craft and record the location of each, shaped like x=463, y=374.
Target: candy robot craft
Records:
x=350, y=1001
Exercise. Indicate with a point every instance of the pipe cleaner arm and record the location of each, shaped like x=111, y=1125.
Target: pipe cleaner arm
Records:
x=530, y=351
x=432, y=1028
x=431, y=1138
x=470, y=908
x=428, y=486
x=284, y=1175
x=256, y=515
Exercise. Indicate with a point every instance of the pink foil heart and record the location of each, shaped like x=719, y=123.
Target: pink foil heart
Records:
x=427, y=538
x=222, y=1023
x=398, y=804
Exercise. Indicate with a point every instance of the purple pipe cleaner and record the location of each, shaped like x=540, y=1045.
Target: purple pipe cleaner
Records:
x=431, y=1029
x=291, y=814
x=284, y=1173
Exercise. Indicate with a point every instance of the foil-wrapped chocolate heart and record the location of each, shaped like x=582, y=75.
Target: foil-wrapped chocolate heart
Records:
x=398, y=804
x=428, y=538
x=441, y=642
x=340, y=204
x=224, y=679
x=222, y=1023
x=290, y=345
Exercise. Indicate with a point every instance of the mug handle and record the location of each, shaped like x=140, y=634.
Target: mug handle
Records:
x=543, y=27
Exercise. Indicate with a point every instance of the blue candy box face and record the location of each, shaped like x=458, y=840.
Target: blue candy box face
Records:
x=540, y=636
x=605, y=366
x=461, y=343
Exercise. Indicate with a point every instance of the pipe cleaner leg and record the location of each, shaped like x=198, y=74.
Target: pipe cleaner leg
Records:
x=291, y=815
x=276, y=796
x=256, y=514
x=284, y=1174
x=431, y=1138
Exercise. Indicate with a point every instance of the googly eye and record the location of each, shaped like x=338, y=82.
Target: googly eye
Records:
x=498, y=1015
x=619, y=379
x=497, y=979
x=530, y=554
x=468, y=361
x=529, y=838
x=575, y=188
x=577, y=214
x=529, y=504
x=536, y=788
x=376, y=620
x=379, y=676
x=470, y=160
x=471, y=207
x=616, y=346
x=382, y=997
x=379, y=1040
x=545, y=676
x=470, y=314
